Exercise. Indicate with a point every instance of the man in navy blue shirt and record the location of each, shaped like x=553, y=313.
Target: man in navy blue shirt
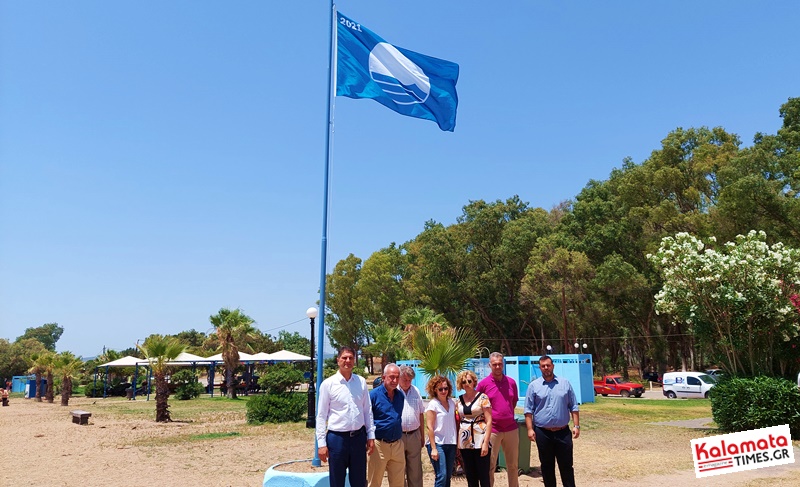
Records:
x=549, y=403
x=387, y=413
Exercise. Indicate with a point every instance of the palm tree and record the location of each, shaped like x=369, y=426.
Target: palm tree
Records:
x=443, y=351
x=66, y=366
x=421, y=316
x=47, y=364
x=233, y=329
x=387, y=341
x=159, y=351
x=39, y=367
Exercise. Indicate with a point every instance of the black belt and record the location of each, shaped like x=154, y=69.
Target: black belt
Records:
x=387, y=441
x=348, y=433
x=553, y=429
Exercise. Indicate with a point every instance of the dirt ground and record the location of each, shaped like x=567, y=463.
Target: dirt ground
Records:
x=124, y=447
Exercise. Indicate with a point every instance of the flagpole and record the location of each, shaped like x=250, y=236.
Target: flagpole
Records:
x=324, y=253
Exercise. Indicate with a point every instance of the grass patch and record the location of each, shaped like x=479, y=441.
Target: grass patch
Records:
x=214, y=436
x=606, y=412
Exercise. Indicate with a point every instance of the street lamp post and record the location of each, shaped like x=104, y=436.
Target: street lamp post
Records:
x=312, y=392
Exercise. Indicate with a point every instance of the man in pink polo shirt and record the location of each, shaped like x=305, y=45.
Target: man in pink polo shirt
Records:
x=503, y=394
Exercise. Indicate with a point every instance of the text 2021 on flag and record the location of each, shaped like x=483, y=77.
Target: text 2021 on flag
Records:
x=408, y=82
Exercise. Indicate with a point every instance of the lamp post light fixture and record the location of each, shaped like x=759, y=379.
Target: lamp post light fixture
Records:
x=549, y=348
x=311, y=421
x=578, y=347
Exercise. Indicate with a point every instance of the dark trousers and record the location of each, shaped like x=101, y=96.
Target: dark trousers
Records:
x=345, y=453
x=476, y=467
x=552, y=446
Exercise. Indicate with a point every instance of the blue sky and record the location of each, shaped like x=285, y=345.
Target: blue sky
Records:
x=161, y=160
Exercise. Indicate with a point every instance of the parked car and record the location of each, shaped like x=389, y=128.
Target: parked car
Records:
x=715, y=373
x=652, y=377
x=687, y=384
x=615, y=384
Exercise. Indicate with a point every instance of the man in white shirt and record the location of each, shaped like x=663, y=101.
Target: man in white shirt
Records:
x=413, y=424
x=345, y=431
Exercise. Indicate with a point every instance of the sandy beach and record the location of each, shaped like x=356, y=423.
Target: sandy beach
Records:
x=123, y=447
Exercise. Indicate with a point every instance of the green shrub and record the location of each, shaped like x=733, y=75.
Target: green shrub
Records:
x=740, y=404
x=277, y=408
x=280, y=378
x=93, y=390
x=187, y=386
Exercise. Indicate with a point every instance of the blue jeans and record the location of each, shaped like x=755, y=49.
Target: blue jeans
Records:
x=443, y=467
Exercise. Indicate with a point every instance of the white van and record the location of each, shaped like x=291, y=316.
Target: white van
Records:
x=687, y=384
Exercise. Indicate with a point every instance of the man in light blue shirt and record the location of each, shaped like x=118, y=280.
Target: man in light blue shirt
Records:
x=549, y=403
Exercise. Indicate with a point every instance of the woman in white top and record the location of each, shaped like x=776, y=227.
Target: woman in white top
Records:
x=440, y=417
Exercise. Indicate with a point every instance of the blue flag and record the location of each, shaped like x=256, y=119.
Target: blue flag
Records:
x=406, y=81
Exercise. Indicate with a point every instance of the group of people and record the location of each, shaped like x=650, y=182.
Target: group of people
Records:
x=369, y=434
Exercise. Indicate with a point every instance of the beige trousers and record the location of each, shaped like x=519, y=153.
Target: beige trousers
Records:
x=509, y=441
x=389, y=458
x=412, y=447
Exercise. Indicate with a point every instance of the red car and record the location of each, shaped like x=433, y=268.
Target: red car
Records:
x=615, y=384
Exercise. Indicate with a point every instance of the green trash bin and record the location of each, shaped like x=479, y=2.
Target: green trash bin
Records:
x=524, y=464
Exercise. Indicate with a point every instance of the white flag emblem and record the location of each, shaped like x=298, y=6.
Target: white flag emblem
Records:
x=402, y=80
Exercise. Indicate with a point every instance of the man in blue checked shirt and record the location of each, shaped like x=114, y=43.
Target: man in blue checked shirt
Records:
x=387, y=413
x=548, y=405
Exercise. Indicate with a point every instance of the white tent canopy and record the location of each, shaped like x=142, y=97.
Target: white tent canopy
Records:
x=243, y=357
x=189, y=357
x=126, y=361
x=261, y=356
x=184, y=358
x=287, y=356
x=282, y=356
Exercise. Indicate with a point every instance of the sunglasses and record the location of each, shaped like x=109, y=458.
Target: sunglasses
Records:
x=467, y=381
x=443, y=389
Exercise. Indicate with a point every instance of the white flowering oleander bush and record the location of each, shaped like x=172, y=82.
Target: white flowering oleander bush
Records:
x=736, y=297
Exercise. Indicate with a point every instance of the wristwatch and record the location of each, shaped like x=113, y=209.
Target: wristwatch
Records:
x=577, y=426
